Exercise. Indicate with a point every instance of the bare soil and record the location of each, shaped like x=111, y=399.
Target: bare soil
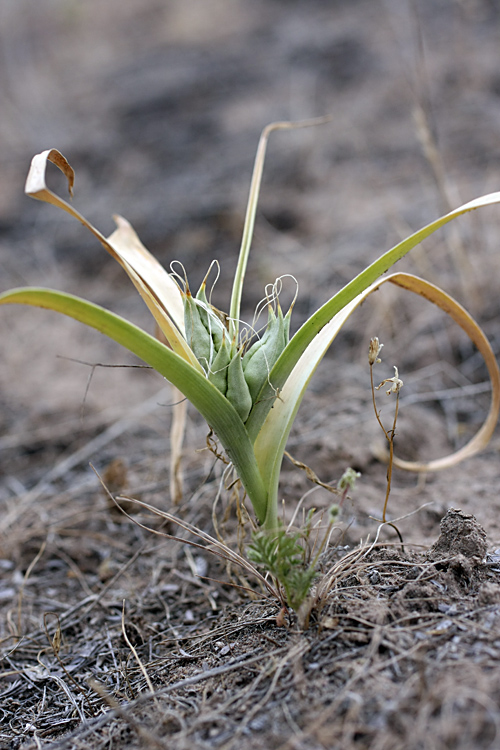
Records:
x=113, y=636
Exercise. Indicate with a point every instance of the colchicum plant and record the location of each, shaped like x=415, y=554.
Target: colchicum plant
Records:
x=247, y=387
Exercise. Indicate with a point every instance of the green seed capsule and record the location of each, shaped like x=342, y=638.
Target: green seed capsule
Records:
x=202, y=297
x=210, y=318
x=197, y=335
x=252, y=351
x=264, y=358
x=219, y=367
x=238, y=393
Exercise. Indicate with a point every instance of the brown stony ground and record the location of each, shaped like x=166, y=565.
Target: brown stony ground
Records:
x=115, y=637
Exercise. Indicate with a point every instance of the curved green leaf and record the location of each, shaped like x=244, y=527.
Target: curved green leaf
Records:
x=213, y=406
x=246, y=240
x=271, y=440
x=316, y=322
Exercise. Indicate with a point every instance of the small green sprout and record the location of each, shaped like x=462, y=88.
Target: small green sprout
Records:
x=291, y=558
x=282, y=555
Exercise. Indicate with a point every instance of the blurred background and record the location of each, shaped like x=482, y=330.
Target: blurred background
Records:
x=158, y=105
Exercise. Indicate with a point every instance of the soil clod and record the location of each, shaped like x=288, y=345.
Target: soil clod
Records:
x=460, y=534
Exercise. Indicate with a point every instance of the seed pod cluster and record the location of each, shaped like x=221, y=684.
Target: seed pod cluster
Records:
x=263, y=354
x=205, y=331
x=237, y=374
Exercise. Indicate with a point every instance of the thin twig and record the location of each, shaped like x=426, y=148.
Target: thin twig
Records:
x=136, y=656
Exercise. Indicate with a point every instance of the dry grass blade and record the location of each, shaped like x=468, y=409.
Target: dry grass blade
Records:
x=89, y=728
x=23, y=585
x=177, y=431
x=116, y=710
x=212, y=545
x=136, y=655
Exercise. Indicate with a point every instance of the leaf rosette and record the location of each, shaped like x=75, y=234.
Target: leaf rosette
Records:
x=248, y=392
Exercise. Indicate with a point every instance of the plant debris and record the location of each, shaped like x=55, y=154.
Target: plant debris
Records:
x=385, y=649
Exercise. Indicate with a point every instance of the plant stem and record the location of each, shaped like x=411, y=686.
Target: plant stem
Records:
x=390, y=438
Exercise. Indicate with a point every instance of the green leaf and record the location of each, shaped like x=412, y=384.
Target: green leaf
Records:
x=270, y=443
x=316, y=322
x=246, y=240
x=214, y=407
